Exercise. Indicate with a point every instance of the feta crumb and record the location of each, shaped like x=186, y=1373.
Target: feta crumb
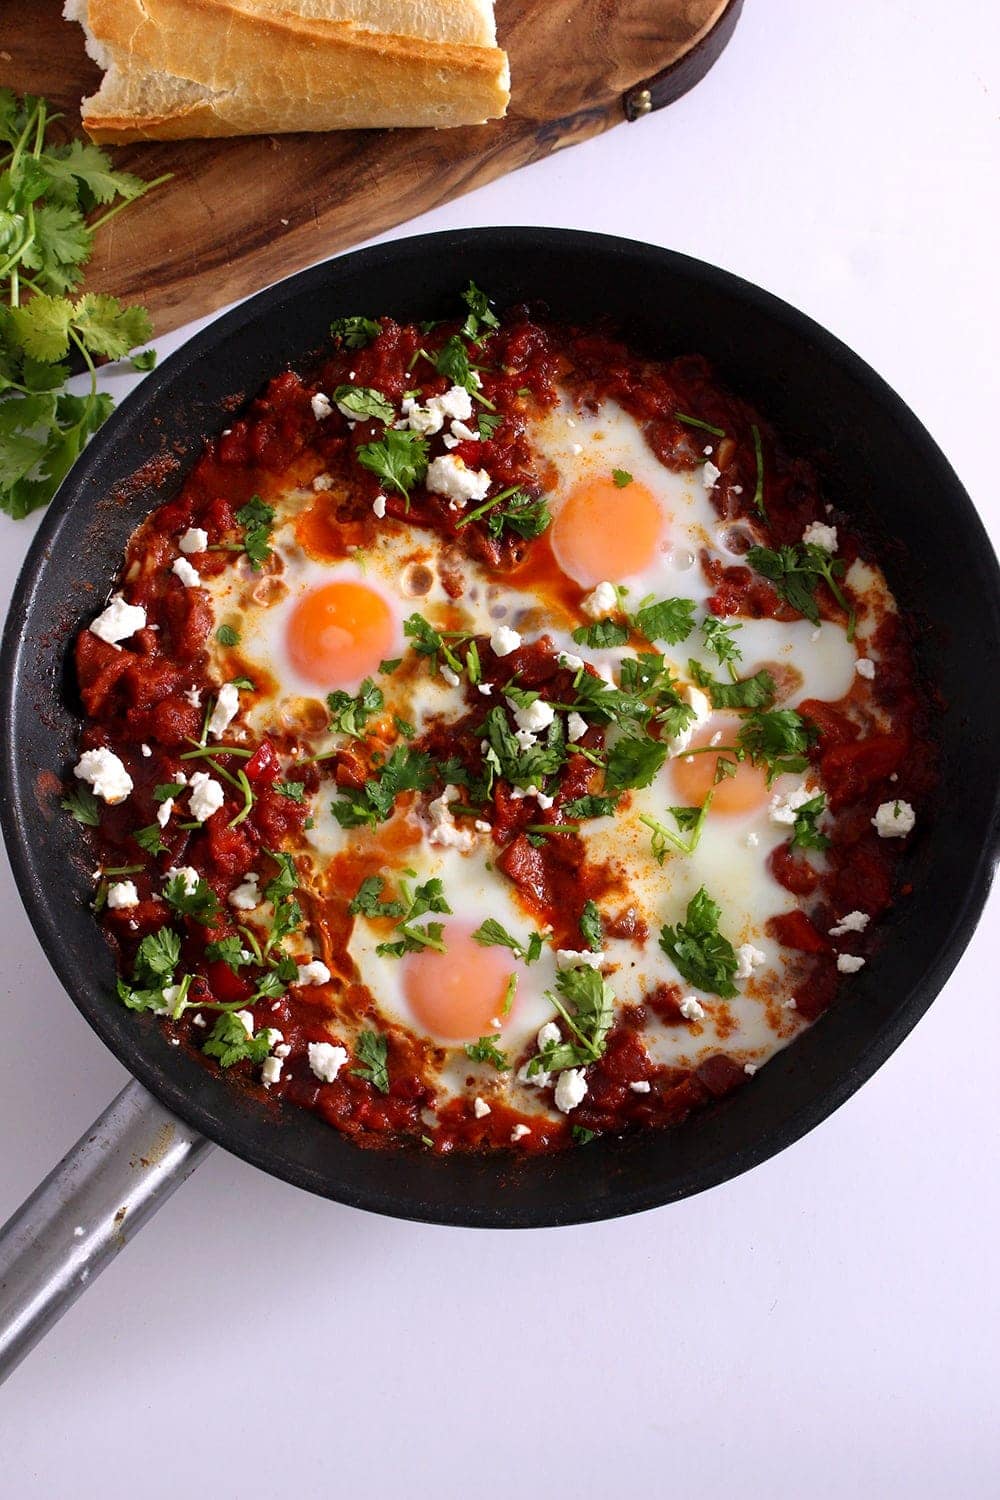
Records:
x=206, y=797
x=504, y=640
x=697, y=700
x=519, y=1132
x=539, y=1080
x=246, y=897
x=854, y=921
x=849, y=963
x=692, y=1009
x=378, y=507
x=784, y=808
x=548, y=1033
x=480, y=1108
x=752, y=840
x=568, y=660
x=450, y=477
x=603, y=599
x=486, y=688
x=195, y=539
x=450, y=677
x=576, y=727
x=226, y=708
x=270, y=1070
x=463, y=434
x=865, y=667
x=444, y=831
x=193, y=696
x=321, y=406
x=709, y=474
x=118, y=620
x=314, y=972
x=543, y=801
x=789, y=1004
x=818, y=534
x=537, y=716
x=571, y=1089
x=577, y=448
x=749, y=1069
x=326, y=1060
x=481, y=826
x=171, y=995
x=893, y=820
x=450, y=441
x=323, y=482
x=164, y=811
x=199, y=1020
x=640, y=1086
x=247, y=1020
x=106, y=774
x=525, y=740
x=147, y=750
x=748, y=958
x=122, y=894
x=570, y=958
x=187, y=873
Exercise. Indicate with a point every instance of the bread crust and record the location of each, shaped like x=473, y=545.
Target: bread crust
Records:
x=256, y=72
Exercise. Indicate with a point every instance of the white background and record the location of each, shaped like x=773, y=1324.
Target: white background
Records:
x=825, y=1325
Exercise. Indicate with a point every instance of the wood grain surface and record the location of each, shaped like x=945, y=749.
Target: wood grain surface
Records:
x=241, y=213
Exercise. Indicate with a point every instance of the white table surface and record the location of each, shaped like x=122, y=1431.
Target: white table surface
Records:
x=826, y=1324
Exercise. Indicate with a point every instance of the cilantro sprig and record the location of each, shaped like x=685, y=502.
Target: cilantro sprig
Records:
x=585, y=1004
x=398, y=458
x=493, y=934
x=487, y=1051
x=806, y=834
x=417, y=902
x=372, y=1052
x=796, y=572
x=405, y=770
x=349, y=713
x=698, y=949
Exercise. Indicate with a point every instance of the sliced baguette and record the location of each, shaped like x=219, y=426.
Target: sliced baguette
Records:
x=182, y=68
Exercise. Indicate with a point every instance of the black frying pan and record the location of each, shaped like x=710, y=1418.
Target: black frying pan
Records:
x=874, y=457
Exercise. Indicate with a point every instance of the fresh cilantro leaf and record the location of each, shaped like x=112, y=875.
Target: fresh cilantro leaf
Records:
x=363, y=401
x=107, y=328
x=229, y=1042
x=144, y=360
x=398, y=458
x=590, y=806
x=256, y=519
x=523, y=767
x=601, y=635
x=202, y=903
x=621, y=477
x=356, y=332
x=582, y=1135
x=351, y=714
x=700, y=953
x=227, y=636
x=243, y=683
x=689, y=819
x=83, y=805
x=157, y=957
x=488, y=422
x=807, y=834
x=590, y=926
x=285, y=883
x=586, y=1006
x=150, y=839
x=487, y=1051
x=372, y=1051
x=405, y=770
x=492, y=934
x=670, y=620
x=293, y=790
x=797, y=571
x=368, y=901
x=452, y=361
x=228, y=950
x=426, y=640
x=778, y=740
x=269, y=987
x=718, y=639
x=387, y=667
x=167, y=789
x=752, y=692
x=633, y=761
x=480, y=315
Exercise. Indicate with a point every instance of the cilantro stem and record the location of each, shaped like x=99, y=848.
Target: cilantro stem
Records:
x=209, y=750
x=718, y=432
x=549, y=828
x=473, y=515
x=758, y=453
x=124, y=203
x=247, y=790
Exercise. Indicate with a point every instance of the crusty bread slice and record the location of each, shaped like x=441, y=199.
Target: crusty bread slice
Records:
x=182, y=68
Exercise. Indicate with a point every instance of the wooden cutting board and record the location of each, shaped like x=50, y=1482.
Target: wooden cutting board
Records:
x=241, y=213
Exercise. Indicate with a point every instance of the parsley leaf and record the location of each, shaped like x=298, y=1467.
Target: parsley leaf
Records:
x=363, y=401
x=586, y=1006
x=230, y=1043
x=398, y=458
x=752, y=692
x=368, y=901
x=601, y=635
x=807, y=834
x=256, y=519
x=718, y=639
x=487, y=1051
x=590, y=926
x=202, y=903
x=590, y=806
x=670, y=620
x=356, y=332
x=480, y=315
x=372, y=1051
x=83, y=805
x=699, y=951
x=633, y=761
x=351, y=714
x=492, y=934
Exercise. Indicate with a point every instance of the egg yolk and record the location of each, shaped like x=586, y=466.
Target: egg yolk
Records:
x=694, y=777
x=602, y=531
x=338, y=633
x=458, y=994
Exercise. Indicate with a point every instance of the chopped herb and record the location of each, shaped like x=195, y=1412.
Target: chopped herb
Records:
x=363, y=401
x=777, y=739
x=601, y=635
x=150, y=839
x=405, y=770
x=227, y=636
x=488, y=422
x=796, y=572
x=228, y=950
x=285, y=883
x=758, y=453
x=718, y=639
x=670, y=620
x=699, y=951
x=156, y=959
x=83, y=805
x=452, y=361
x=586, y=1006
x=354, y=333
x=718, y=432
x=229, y=1042
x=807, y=834
x=398, y=458
x=481, y=315
x=404, y=727
x=590, y=806
x=428, y=897
x=633, y=761
x=349, y=715
x=256, y=519
x=144, y=360
x=621, y=477
x=372, y=1051
x=202, y=903
x=368, y=901
x=491, y=934
x=293, y=790
x=590, y=926
x=487, y=1051
x=387, y=667
x=752, y=692
x=689, y=820
x=514, y=510
x=244, y=684
x=167, y=789
x=522, y=767
x=582, y=1135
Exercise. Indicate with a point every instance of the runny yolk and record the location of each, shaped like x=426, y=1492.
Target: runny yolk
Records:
x=457, y=995
x=694, y=777
x=338, y=633
x=602, y=531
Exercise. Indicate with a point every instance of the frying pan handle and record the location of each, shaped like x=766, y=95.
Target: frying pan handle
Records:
x=87, y=1209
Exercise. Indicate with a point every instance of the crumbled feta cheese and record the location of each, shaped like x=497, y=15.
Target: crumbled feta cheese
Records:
x=753, y=839
x=226, y=708
x=455, y=403
x=323, y=482
x=849, y=963
x=692, y=1009
x=146, y=750
x=480, y=1108
x=122, y=894
x=709, y=474
x=270, y=1070
x=548, y=1033
x=854, y=921
x=193, y=696
x=195, y=539
x=450, y=441
x=444, y=831
x=818, y=534
x=525, y=740
x=164, y=811
x=481, y=826
x=504, y=640
x=539, y=1080
x=463, y=434
x=326, y=1060
x=569, y=661
x=748, y=958
x=784, y=808
x=543, y=801
x=536, y=717
x=321, y=406
x=749, y=1069
x=697, y=700
x=571, y=1089
x=576, y=727
x=247, y=1020
x=246, y=897
x=171, y=995
x=206, y=797
x=519, y=1132
x=603, y=599
x=118, y=620
x=314, y=972
x=577, y=448
x=450, y=677
x=641, y=1086
x=570, y=958
x=893, y=820
x=865, y=667
x=789, y=1004
x=187, y=873
x=199, y=1020
x=423, y=419
x=450, y=477
x=105, y=773
x=378, y=507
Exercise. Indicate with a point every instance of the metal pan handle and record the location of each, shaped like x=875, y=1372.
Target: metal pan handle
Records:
x=116, y=1176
